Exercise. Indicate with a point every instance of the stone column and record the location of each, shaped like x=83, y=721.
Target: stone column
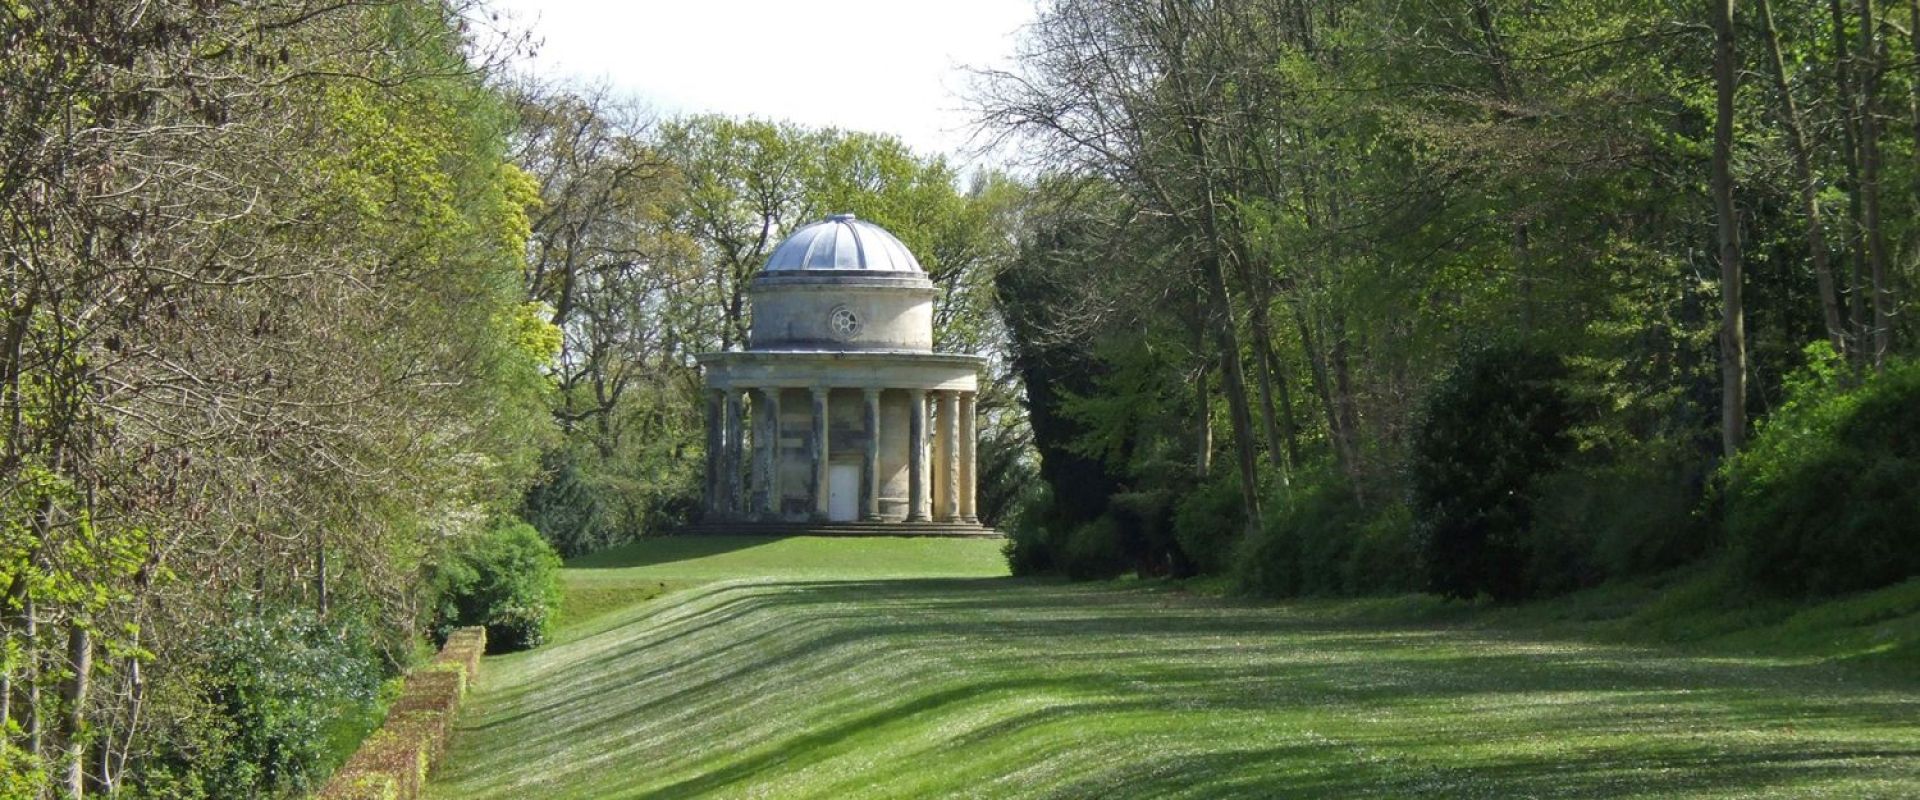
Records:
x=736, y=439
x=950, y=449
x=755, y=418
x=936, y=451
x=870, y=465
x=716, y=433
x=770, y=466
x=916, y=455
x=969, y=457
x=822, y=451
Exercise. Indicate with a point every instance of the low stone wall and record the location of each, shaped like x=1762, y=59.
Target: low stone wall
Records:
x=392, y=763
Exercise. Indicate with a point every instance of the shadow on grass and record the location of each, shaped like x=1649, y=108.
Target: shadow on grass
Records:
x=744, y=684
x=666, y=550
x=748, y=767
x=1305, y=772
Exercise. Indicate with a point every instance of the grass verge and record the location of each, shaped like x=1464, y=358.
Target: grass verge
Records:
x=829, y=668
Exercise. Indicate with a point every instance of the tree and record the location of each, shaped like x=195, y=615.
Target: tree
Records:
x=1809, y=182
x=607, y=263
x=1491, y=428
x=1119, y=90
x=264, y=345
x=1380, y=185
x=1733, y=333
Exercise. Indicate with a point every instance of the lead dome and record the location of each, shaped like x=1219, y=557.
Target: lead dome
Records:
x=842, y=242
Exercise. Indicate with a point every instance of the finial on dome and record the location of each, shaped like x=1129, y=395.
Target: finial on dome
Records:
x=842, y=217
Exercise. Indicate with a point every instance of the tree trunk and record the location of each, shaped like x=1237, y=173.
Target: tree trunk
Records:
x=73, y=699
x=1733, y=336
x=1870, y=184
x=1202, y=411
x=15, y=597
x=1344, y=403
x=1262, y=335
x=1323, y=388
x=320, y=602
x=1507, y=88
x=1220, y=304
x=1913, y=110
x=1345, y=457
x=1809, y=184
x=1289, y=428
x=36, y=732
x=116, y=765
x=1233, y=384
x=99, y=779
x=1913, y=86
x=1850, y=156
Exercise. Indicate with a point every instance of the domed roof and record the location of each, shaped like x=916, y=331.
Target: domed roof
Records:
x=842, y=242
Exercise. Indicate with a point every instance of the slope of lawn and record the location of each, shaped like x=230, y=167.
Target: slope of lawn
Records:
x=603, y=581
x=912, y=668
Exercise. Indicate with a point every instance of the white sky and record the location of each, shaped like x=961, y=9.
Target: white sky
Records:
x=870, y=65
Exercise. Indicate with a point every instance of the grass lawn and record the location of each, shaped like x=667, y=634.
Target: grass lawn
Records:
x=835, y=668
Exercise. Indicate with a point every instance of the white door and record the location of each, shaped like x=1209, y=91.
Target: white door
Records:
x=843, y=492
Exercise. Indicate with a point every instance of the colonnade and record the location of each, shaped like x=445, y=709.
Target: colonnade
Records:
x=744, y=456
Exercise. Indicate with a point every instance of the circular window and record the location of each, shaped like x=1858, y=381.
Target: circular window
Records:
x=843, y=322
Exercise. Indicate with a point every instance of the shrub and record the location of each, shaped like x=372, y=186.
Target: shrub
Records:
x=392, y=763
x=1385, y=556
x=1319, y=539
x=1208, y=521
x=429, y=727
x=463, y=648
x=564, y=506
x=1321, y=526
x=1826, y=498
x=1633, y=514
x=1033, y=546
x=1093, y=550
x=1269, y=563
x=21, y=773
x=1043, y=539
x=506, y=580
x=1174, y=528
x=435, y=687
x=1493, y=424
x=361, y=786
x=587, y=501
x=256, y=720
x=400, y=758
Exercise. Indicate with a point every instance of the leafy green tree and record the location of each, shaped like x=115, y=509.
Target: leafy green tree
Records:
x=264, y=346
x=507, y=580
x=1491, y=428
x=275, y=682
x=1823, y=500
x=1380, y=183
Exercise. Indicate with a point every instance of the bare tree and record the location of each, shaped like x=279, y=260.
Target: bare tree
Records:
x=1119, y=90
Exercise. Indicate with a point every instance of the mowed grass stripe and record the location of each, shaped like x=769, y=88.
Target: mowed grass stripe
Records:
x=773, y=680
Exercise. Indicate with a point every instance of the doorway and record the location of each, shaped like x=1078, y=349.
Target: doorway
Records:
x=843, y=492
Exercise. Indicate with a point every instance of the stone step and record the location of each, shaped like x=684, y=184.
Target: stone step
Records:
x=734, y=529
x=926, y=529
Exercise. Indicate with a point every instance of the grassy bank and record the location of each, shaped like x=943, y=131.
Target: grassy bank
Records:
x=911, y=668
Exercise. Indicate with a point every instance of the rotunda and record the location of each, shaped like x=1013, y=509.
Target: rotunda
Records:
x=839, y=416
